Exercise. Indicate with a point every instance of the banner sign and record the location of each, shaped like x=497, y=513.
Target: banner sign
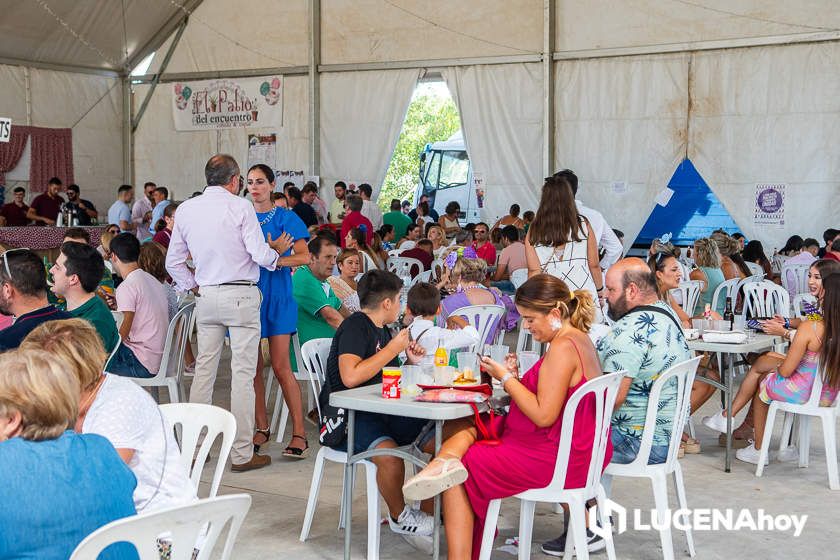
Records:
x=5, y=129
x=228, y=103
x=283, y=176
x=769, y=205
x=478, y=184
x=262, y=148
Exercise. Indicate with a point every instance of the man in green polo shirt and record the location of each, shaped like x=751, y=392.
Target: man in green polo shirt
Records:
x=320, y=312
x=76, y=275
x=397, y=219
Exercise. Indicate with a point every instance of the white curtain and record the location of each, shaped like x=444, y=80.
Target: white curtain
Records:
x=362, y=114
x=621, y=120
x=501, y=117
x=770, y=115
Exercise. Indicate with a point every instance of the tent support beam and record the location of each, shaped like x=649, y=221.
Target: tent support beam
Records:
x=430, y=63
x=186, y=7
x=217, y=75
x=136, y=121
x=127, y=133
x=314, y=87
x=548, y=87
x=60, y=67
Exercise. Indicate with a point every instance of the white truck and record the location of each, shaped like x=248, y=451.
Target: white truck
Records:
x=446, y=175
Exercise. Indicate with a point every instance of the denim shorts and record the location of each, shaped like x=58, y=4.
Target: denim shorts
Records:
x=124, y=363
x=372, y=429
x=625, y=449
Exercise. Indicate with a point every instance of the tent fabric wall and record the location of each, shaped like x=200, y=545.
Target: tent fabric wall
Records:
x=621, y=120
x=770, y=115
x=501, y=116
x=88, y=104
x=176, y=159
x=362, y=114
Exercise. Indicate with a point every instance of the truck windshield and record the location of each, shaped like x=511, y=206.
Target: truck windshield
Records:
x=454, y=168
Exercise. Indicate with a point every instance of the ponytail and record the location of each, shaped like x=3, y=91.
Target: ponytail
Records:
x=582, y=310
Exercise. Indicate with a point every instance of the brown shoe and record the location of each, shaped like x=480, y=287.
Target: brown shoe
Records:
x=256, y=462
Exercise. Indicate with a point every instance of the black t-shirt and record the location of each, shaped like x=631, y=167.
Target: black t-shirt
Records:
x=359, y=336
x=79, y=211
x=12, y=336
x=306, y=214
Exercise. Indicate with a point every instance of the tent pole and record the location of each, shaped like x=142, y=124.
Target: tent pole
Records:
x=161, y=70
x=314, y=87
x=548, y=87
x=127, y=132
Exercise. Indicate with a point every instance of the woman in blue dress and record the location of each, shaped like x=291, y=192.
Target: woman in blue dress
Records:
x=278, y=312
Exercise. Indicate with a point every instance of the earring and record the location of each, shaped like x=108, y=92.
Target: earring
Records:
x=556, y=324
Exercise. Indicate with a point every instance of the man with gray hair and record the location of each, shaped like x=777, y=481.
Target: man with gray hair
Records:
x=219, y=229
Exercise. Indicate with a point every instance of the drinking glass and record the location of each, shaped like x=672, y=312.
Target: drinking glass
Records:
x=497, y=352
x=468, y=364
x=740, y=323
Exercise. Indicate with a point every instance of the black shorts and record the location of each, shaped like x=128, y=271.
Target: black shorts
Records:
x=372, y=429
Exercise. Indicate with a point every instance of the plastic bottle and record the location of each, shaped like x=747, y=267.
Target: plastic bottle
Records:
x=441, y=357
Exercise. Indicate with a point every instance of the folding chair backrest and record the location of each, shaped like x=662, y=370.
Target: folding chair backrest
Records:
x=765, y=299
x=755, y=269
x=689, y=292
x=191, y=420
x=184, y=525
x=404, y=266
x=726, y=289
x=177, y=334
x=519, y=277
x=795, y=278
x=484, y=318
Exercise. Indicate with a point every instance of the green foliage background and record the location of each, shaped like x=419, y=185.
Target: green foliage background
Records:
x=430, y=118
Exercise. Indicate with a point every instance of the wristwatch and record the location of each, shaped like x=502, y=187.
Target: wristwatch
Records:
x=505, y=378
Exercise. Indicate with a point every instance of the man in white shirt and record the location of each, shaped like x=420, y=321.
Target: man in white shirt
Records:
x=370, y=210
x=219, y=229
x=604, y=234
x=141, y=212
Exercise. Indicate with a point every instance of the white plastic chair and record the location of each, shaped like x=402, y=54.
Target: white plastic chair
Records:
x=437, y=269
x=777, y=262
x=280, y=416
x=425, y=276
x=193, y=418
x=604, y=389
x=519, y=277
x=118, y=318
x=685, y=271
x=402, y=266
x=795, y=278
x=113, y=351
x=177, y=335
x=726, y=289
x=315, y=353
x=765, y=299
x=828, y=415
x=367, y=262
x=683, y=375
x=799, y=301
x=755, y=269
x=483, y=317
x=687, y=293
x=184, y=524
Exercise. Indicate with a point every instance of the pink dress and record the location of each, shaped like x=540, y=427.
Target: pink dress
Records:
x=527, y=455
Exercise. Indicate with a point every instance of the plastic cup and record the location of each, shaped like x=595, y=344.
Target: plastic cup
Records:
x=699, y=325
x=410, y=377
x=739, y=323
x=527, y=359
x=443, y=375
x=497, y=352
x=468, y=364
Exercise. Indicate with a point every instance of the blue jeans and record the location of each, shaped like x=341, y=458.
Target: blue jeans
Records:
x=506, y=286
x=625, y=449
x=126, y=364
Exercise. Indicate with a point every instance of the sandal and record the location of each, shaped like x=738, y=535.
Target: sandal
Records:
x=265, y=433
x=423, y=486
x=297, y=452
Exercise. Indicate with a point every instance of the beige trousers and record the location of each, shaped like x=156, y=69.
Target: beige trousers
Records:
x=219, y=310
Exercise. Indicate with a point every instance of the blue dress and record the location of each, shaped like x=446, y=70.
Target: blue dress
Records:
x=278, y=311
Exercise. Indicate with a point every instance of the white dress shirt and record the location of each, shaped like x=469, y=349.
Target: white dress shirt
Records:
x=606, y=237
x=372, y=212
x=221, y=233
x=138, y=213
x=428, y=335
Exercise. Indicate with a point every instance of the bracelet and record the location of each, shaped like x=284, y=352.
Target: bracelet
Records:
x=505, y=378
x=787, y=323
x=601, y=289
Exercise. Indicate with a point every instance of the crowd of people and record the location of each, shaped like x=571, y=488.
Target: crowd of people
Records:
x=281, y=261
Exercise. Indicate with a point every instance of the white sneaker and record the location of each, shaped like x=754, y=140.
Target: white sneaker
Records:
x=789, y=454
x=716, y=422
x=750, y=454
x=412, y=522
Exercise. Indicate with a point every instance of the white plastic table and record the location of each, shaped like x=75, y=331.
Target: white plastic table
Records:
x=369, y=399
x=761, y=343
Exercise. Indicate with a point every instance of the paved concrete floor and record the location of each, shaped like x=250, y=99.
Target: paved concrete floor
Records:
x=279, y=494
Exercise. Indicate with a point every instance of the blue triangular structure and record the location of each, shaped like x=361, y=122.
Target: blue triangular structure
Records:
x=693, y=211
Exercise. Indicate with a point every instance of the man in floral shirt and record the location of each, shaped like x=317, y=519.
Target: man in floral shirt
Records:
x=645, y=340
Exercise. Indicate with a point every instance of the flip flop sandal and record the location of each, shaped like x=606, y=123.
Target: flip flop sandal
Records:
x=267, y=434
x=297, y=452
x=422, y=487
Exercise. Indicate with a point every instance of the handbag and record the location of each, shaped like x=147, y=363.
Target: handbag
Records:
x=473, y=396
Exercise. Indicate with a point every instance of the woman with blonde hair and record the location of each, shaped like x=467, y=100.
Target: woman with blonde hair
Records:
x=470, y=476
x=465, y=276
x=437, y=235
x=57, y=486
x=120, y=410
x=349, y=263
x=731, y=262
x=707, y=259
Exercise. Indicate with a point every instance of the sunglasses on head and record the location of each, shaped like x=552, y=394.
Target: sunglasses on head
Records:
x=6, y=260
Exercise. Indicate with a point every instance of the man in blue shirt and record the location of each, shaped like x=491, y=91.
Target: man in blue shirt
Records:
x=23, y=294
x=161, y=197
x=120, y=211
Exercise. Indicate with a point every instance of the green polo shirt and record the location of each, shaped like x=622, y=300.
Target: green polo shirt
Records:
x=95, y=312
x=400, y=222
x=311, y=296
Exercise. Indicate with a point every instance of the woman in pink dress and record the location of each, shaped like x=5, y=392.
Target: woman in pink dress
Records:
x=471, y=474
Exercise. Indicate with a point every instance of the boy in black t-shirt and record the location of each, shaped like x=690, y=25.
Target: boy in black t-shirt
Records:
x=362, y=346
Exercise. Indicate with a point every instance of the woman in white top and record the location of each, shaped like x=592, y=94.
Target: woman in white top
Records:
x=449, y=221
x=561, y=242
x=344, y=285
x=122, y=412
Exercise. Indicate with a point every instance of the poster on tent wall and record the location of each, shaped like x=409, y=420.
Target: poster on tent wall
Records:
x=262, y=148
x=478, y=184
x=228, y=103
x=769, y=205
x=288, y=176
